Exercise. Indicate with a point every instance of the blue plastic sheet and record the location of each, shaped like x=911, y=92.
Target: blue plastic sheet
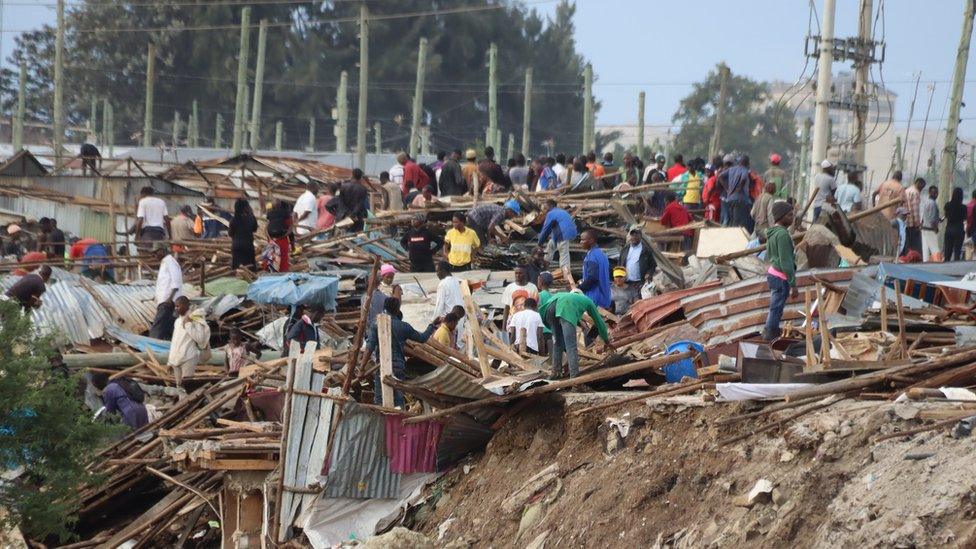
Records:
x=295, y=289
x=142, y=343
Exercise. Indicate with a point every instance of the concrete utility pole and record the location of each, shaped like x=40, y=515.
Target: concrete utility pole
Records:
x=105, y=129
x=861, y=76
x=493, y=133
x=640, y=126
x=803, y=184
x=588, y=108
x=147, y=121
x=418, y=98
x=258, y=86
x=378, y=137
x=948, y=166
x=58, y=136
x=93, y=116
x=246, y=119
x=342, y=118
x=723, y=93
x=241, y=104
x=818, y=151
x=527, y=114
x=425, y=140
x=511, y=146
x=109, y=128
x=195, y=128
x=176, y=128
x=279, y=134
x=363, y=86
x=219, y=131
x=18, y=137
x=899, y=163
x=311, y=135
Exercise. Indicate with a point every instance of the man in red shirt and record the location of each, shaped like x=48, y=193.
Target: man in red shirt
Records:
x=678, y=168
x=970, y=219
x=676, y=215
x=412, y=174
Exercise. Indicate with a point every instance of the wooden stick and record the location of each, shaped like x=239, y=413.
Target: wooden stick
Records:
x=808, y=330
x=475, y=328
x=884, y=310
x=681, y=388
x=822, y=323
x=386, y=358
x=932, y=427
x=556, y=385
x=901, y=321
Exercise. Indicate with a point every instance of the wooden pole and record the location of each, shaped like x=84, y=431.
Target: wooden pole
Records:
x=884, y=309
x=311, y=135
x=377, y=128
x=218, y=131
x=861, y=94
x=18, y=137
x=147, y=121
x=527, y=114
x=363, y=86
x=475, y=327
x=510, y=150
x=176, y=128
x=723, y=90
x=383, y=335
x=279, y=134
x=258, y=86
x=822, y=323
x=901, y=320
x=493, y=97
x=194, y=135
x=240, y=105
x=948, y=166
x=418, y=98
x=808, y=330
x=58, y=136
x=342, y=110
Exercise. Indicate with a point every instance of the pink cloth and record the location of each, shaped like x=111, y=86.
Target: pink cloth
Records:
x=325, y=219
x=776, y=272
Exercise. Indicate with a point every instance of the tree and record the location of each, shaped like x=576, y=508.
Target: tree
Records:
x=753, y=124
x=44, y=428
x=309, y=44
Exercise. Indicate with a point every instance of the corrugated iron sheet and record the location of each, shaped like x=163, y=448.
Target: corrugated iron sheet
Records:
x=360, y=467
x=448, y=380
x=412, y=448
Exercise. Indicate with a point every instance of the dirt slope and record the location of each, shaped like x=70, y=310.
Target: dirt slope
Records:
x=668, y=483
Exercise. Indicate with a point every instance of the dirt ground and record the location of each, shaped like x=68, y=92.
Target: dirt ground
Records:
x=659, y=479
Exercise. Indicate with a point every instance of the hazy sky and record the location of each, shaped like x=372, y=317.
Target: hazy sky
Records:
x=663, y=46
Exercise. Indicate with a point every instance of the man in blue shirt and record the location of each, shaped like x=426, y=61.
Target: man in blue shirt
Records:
x=558, y=231
x=596, y=271
x=738, y=201
x=400, y=332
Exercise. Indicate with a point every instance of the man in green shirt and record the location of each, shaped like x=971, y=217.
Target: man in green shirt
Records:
x=563, y=313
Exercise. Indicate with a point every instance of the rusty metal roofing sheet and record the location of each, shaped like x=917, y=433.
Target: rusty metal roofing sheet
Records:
x=448, y=380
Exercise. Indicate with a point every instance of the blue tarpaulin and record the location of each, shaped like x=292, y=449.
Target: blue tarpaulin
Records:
x=295, y=289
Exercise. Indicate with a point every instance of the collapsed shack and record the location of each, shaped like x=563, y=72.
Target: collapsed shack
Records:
x=293, y=447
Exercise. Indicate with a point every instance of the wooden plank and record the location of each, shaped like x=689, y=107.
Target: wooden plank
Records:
x=240, y=425
x=824, y=332
x=475, y=328
x=384, y=336
x=237, y=464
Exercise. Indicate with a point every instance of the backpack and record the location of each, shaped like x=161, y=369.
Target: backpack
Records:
x=132, y=389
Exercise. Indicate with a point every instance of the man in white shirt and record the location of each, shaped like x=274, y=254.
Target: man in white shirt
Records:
x=521, y=283
x=169, y=286
x=529, y=320
x=152, y=217
x=396, y=174
x=448, y=291
x=559, y=168
x=306, y=210
x=191, y=340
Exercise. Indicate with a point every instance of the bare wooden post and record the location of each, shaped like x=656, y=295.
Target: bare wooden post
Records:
x=475, y=327
x=884, y=310
x=808, y=329
x=386, y=358
x=901, y=321
x=824, y=332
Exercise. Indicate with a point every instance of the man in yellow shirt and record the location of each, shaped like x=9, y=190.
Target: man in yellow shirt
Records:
x=460, y=243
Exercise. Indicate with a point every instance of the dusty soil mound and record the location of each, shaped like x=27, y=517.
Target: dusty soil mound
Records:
x=658, y=478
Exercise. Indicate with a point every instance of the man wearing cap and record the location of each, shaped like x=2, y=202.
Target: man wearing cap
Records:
x=777, y=175
x=826, y=184
x=781, y=274
x=483, y=218
x=169, y=286
x=451, y=181
x=637, y=259
x=469, y=170
x=421, y=244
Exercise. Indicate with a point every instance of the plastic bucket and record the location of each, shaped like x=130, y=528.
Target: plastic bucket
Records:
x=674, y=371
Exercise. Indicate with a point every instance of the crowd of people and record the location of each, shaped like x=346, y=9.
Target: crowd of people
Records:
x=535, y=318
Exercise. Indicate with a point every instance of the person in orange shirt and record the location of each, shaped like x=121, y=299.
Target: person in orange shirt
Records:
x=594, y=167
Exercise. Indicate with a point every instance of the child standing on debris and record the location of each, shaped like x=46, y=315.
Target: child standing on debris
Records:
x=237, y=353
x=781, y=275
